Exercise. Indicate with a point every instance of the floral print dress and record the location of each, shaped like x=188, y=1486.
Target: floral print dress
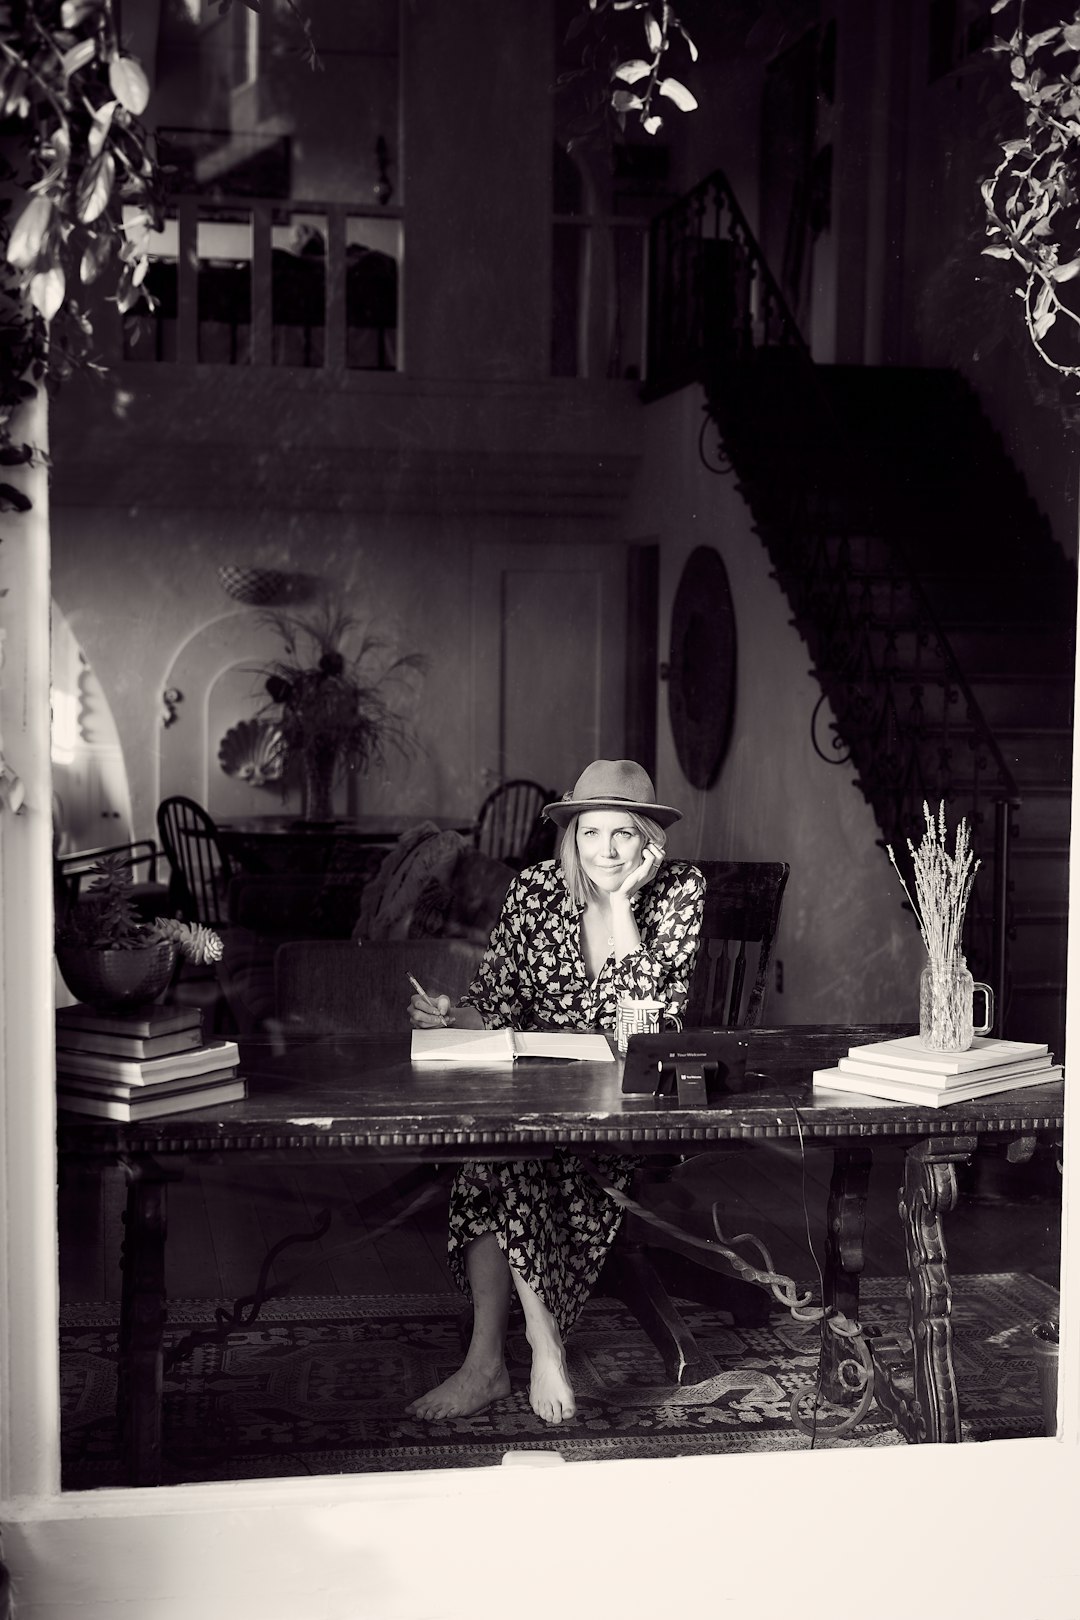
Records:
x=552, y=1221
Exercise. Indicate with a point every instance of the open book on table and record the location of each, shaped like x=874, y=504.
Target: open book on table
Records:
x=504, y=1045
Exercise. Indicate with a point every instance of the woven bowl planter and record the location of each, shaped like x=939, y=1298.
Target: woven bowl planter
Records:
x=116, y=979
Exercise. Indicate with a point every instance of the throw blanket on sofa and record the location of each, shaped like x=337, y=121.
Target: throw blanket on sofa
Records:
x=433, y=883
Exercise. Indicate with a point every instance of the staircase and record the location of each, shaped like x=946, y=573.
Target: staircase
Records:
x=938, y=610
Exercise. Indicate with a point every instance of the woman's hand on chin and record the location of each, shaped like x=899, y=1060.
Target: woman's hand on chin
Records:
x=651, y=859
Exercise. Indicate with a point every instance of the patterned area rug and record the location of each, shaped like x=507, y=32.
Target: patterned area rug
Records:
x=318, y=1385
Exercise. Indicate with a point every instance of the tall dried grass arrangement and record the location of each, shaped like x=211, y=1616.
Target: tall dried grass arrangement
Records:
x=942, y=886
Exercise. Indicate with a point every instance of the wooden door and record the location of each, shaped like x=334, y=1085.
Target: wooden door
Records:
x=548, y=661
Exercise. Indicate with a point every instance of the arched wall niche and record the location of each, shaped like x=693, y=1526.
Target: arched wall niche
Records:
x=215, y=674
x=91, y=793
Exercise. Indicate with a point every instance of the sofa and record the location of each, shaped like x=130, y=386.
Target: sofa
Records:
x=429, y=885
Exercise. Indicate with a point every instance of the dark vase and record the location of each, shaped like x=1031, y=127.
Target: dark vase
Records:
x=320, y=770
x=109, y=979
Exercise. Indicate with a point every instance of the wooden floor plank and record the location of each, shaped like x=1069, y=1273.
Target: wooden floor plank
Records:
x=284, y=1210
x=111, y=1231
x=403, y=1253
x=354, y=1261
x=236, y=1232
x=221, y=1228
x=191, y=1268
x=352, y=1257
x=406, y=1250
x=778, y=1179
x=79, y=1223
x=1017, y=1237
x=754, y=1198
x=434, y=1225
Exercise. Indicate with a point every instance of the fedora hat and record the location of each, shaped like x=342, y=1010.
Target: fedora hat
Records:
x=612, y=784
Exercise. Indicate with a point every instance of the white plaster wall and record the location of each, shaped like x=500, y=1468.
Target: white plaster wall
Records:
x=849, y=951
x=139, y=590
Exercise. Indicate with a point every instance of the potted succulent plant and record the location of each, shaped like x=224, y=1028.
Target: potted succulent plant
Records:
x=110, y=956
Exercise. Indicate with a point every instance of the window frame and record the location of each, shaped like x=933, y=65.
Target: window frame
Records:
x=404, y=1546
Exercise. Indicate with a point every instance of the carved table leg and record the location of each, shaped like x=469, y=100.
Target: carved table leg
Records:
x=844, y=1254
x=142, y=1321
x=929, y=1410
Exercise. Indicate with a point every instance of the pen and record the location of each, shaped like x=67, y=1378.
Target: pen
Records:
x=418, y=987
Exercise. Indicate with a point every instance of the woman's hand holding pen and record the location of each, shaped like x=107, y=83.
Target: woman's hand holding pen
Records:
x=428, y=1012
x=438, y=1012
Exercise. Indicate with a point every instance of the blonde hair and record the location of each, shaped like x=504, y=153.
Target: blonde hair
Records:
x=579, y=885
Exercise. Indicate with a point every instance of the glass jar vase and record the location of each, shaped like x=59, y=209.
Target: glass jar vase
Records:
x=946, y=1006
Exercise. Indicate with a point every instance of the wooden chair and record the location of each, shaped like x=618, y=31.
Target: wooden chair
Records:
x=727, y=990
x=149, y=895
x=200, y=869
x=339, y=987
x=509, y=825
x=738, y=930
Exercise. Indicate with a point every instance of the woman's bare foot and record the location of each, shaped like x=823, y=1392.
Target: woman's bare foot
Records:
x=467, y=1391
x=550, y=1395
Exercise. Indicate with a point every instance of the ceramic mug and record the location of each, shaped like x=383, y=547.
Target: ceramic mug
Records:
x=634, y=1016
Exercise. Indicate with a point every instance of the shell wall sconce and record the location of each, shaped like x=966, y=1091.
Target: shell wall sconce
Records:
x=254, y=752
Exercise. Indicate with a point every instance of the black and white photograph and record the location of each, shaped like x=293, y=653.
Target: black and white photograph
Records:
x=538, y=601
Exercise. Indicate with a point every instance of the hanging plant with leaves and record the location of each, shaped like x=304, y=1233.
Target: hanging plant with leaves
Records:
x=83, y=193
x=623, y=75
x=1031, y=198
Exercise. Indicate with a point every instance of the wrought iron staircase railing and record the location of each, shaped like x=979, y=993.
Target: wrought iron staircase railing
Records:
x=901, y=705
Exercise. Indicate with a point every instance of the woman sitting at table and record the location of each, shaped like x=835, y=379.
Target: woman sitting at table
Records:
x=607, y=919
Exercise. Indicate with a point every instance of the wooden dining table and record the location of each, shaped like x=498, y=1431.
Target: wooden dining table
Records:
x=363, y=1097
x=279, y=843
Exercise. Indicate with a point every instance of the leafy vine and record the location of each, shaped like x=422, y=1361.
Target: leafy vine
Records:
x=612, y=81
x=1031, y=198
x=83, y=193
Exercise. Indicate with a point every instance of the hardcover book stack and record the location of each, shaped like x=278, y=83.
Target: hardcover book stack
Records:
x=905, y=1070
x=141, y=1065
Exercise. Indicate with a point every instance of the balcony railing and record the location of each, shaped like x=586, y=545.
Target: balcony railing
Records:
x=270, y=283
x=712, y=297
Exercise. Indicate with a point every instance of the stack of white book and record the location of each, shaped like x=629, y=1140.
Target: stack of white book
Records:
x=905, y=1070
x=141, y=1065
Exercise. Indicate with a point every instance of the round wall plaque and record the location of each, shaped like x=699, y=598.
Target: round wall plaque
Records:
x=701, y=685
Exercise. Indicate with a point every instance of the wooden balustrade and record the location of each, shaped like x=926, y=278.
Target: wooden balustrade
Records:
x=331, y=302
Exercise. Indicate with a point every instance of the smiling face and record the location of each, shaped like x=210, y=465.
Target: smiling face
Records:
x=609, y=846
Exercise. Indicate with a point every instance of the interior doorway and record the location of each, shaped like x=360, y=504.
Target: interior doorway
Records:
x=545, y=701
